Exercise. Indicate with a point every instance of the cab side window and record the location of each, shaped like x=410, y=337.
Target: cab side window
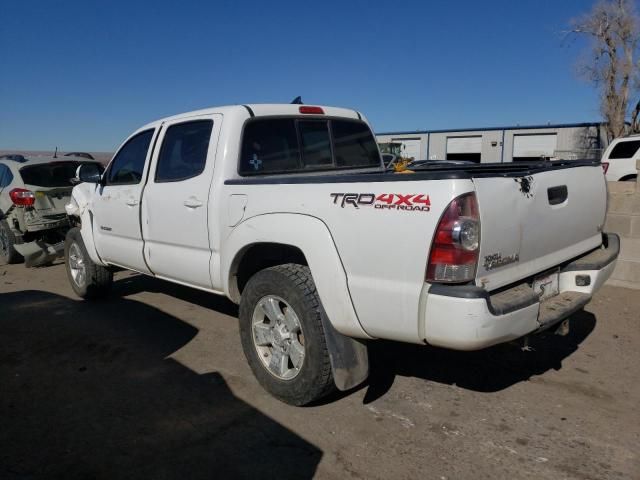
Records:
x=128, y=164
x=184, y=151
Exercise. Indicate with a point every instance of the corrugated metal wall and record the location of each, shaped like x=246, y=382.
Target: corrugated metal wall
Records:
x=497, y=144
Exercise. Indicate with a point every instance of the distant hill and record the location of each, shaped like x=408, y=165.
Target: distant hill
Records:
x=102, y=157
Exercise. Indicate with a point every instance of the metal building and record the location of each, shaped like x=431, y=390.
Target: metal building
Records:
x=501, y=144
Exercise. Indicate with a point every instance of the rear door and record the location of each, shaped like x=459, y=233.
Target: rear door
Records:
x=532, y=223
x=175, y=203
x=116, y=204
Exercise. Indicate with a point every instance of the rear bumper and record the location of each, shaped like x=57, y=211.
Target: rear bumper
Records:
x=39, y=252
x=470, y=318
x=40, y=224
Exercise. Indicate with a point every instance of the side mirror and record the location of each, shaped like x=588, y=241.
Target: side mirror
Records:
x=89, y=173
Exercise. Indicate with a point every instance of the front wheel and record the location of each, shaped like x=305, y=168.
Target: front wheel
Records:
x=88, y=280
x=282, y=334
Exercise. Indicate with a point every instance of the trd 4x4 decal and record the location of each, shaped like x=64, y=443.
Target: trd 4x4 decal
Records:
x=384, y=201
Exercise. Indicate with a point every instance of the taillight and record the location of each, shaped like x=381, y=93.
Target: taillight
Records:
x=605, y=167
x=311, y=110
x=22, y=197
x=455, y=246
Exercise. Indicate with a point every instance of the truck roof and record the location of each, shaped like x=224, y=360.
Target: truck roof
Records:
x=260, y=110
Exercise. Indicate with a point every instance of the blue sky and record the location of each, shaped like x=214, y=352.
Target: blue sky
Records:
x=83, y=75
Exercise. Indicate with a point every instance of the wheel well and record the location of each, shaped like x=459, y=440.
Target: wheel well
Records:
x=74, y=221
x=257, y=257
x=628, y=178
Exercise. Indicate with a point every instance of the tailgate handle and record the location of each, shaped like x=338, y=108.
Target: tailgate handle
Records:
x=557, y=195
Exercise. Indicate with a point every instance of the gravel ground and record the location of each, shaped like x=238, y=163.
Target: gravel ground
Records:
x=152, y=383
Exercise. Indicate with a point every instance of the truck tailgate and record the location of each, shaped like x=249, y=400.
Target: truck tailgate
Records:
x=534, y=222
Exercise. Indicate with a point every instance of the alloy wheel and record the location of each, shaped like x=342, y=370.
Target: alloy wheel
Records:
x=77, y=265
x=278, y=337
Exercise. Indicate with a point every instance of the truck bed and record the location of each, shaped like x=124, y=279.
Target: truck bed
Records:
x=423, y=172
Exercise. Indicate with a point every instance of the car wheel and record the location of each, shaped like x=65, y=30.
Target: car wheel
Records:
x=8, y=253
x=282, y=335
x=88, y=280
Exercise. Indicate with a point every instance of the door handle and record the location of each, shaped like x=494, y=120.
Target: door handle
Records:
x=192, y=202
x=132, y=202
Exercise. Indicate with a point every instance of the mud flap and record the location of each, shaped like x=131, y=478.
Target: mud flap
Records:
x=349, y=357
x=39, y=253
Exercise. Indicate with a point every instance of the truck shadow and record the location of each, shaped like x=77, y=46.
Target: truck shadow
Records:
x=87, y=392
x=136, y=283
x=488, y=370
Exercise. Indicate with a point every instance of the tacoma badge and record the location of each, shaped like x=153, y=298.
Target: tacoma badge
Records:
x=496, y=260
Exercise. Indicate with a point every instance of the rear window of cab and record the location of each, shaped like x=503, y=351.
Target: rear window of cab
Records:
x=287, y=145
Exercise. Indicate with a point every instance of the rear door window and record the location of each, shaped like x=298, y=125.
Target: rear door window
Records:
x=184, y=151
x=128, y=164
x=625, y=149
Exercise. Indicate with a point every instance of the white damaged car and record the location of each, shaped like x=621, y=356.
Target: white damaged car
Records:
x=33, y=193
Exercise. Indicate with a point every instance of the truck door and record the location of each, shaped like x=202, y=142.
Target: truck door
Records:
x=175, y=203
x=116, y=204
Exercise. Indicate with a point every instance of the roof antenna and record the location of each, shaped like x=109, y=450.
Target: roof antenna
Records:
x=297, y=100
x=55, y=154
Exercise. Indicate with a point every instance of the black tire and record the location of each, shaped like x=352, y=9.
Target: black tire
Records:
x=8, y=254
x=294, y=285
x=97, y=280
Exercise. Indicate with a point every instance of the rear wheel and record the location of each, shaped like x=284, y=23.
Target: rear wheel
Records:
x=282, y=335
x=88, y=280
x=8, y=253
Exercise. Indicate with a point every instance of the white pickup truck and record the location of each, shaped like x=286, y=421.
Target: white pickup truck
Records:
x=288, y=211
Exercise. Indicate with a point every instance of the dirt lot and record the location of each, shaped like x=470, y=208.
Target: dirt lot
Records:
x=153, y=384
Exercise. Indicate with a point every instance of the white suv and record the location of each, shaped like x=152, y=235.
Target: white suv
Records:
x=619, y=159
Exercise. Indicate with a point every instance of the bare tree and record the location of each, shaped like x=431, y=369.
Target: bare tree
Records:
x=613, y=27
